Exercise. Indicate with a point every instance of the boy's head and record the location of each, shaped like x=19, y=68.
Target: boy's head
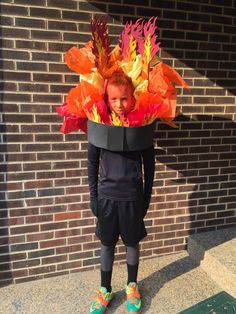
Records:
x=119, y=90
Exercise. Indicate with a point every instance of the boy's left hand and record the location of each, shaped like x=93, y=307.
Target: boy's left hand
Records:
x=146, y=202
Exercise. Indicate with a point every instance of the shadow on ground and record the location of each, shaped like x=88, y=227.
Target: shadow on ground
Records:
x=150, y=286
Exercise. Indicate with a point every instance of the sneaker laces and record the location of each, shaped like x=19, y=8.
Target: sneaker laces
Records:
x=100, y=299
x=133, y=300
x=133, y=293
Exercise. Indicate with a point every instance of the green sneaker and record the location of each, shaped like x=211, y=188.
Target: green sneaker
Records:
x=101, y=301
x=133, y=303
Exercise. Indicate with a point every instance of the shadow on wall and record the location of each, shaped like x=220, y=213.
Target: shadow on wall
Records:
x=6, y=276
x=199, y=36
x=202, y=154
x=5, y=261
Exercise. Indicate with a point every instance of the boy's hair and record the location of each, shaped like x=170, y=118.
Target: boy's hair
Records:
x=120, y=79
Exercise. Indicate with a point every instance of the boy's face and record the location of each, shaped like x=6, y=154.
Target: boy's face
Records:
x=120, y=99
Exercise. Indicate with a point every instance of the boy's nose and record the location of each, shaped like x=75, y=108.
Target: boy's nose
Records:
x=120, y=103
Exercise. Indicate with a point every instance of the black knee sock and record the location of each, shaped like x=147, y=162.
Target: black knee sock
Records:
x=132, y=259
x=106, y=279
x=107, y=259
x=132, y=273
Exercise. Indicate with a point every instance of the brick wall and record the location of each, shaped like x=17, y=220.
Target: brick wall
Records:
x=46, y=226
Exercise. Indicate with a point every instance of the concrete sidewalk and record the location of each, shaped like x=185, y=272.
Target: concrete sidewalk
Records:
x=168, y=284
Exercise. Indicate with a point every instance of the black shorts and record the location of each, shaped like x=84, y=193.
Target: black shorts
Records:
x=124, y=218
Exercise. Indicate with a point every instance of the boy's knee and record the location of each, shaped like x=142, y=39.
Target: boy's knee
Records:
x=107, y=257
x=132, y=254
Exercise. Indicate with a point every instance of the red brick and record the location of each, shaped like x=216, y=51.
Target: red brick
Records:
x=42, y=270
x=80, y=223
x=175, y=212
x=67, y=216
x=151, y=245
x=38, y=184
x=11, y=221
x=69, y=265
x=174, y=227
x=39, y=236
x=69, y=249
x=154, y=229
x=29, y=278
x=181, y=247
x=52, y=209
x=67, y=199
x=17, y=239
x=67, y=233
x=52, y=226
x=94, y=261
x=163, y=250
x=80, y=239
x=24, y=212
x=52, y=243
x=164, y=221
x=38, y=219
x=77, y=206
x=88, y=230
x=173, y=242
x=164, y=235
x=11, y=186
x=185, y=218
x=18, y=273
x=81, y=255
x=90, y=246
x=54, y=259
x=205, y=216
x=24, y=230
x=39, y=201
x=144, y=253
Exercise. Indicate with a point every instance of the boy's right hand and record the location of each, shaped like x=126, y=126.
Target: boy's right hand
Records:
x=94, y=205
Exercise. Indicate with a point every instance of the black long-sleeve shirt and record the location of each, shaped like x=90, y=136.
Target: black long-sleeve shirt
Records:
x=118, y=175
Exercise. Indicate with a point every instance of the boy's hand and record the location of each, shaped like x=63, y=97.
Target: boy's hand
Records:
x=94, y=205
x=146, y=202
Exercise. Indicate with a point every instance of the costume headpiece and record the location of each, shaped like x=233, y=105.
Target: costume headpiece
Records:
x=135, y=55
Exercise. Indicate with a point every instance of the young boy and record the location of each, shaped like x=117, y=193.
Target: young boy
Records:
x=119, y=199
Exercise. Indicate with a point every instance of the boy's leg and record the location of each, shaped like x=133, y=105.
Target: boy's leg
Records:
x=132, y=259
x=107, y=259
x=108, y=233
x=104, y=294
x=133, y=303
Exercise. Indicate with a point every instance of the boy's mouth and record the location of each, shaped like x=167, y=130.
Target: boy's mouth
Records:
x=121, y=113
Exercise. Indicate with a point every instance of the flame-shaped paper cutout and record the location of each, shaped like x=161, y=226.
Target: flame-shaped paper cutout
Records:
x=129, y=38
x=100, y=41
x=148, y=46
x=125, y=41
x=81, y=61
